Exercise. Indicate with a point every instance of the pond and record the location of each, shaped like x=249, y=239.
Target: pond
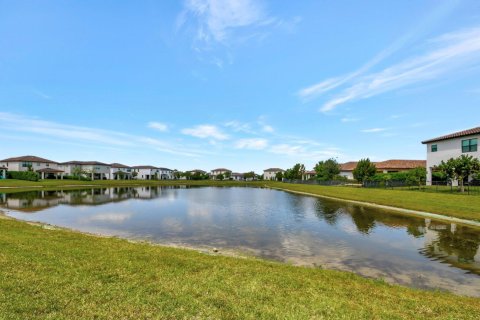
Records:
x=270, y=224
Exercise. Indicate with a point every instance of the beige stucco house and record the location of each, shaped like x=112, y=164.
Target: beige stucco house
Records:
x=215, y=172
x=387, y=166
x=93, y=169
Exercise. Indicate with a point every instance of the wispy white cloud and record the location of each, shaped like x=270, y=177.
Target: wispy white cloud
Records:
x=238, y=126
x=206, y=131
x=253, y=144
x=95, y=137
x=41, y=94
x=162, y=127
x=217, y=19
x=305, y=152
x=349, y=119
x=452, y=52
x=374, y=130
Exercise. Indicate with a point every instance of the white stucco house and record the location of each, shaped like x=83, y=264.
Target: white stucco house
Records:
x=44, y=167
x=120, y=171
x=271, y=173
x=166, y=174
x=449, y=146
x=146, y=172
x=93, y=169
x=237, y=176
x=215, y=172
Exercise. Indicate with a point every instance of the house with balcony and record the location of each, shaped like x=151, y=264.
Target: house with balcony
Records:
x=93, y=169
x=450, y=146
x=271, y=173
x=120, y=171
x=237, y=176
x=44, y=167
x=220, y=171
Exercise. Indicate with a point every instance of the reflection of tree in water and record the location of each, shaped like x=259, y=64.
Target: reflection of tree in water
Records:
x=364, y=220
x=463, y=244
x=328, y=210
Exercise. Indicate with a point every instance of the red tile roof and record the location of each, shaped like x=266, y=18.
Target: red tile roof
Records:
x=28, y=159
x=455, y=135
x=119, y=165
x=388, y=165
x=400, y=164
x=348, y=166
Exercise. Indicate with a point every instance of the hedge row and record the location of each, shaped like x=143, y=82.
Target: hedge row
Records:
x=23, y=175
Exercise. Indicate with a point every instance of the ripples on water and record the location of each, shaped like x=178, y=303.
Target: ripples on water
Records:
x=271, y=224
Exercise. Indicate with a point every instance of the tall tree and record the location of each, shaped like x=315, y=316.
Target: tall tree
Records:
x=296, y=172
x=460, y=168
x=365, y=170
x=279, y=176
x=327, y=170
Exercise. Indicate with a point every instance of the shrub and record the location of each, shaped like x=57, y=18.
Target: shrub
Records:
x=23, y=175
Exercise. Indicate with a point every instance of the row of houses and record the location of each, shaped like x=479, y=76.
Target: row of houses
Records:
x=93, y=169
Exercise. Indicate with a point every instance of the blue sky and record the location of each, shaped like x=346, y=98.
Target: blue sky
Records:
x=235, y=83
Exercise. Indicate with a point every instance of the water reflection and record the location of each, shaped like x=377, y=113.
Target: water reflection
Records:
x=271, y=224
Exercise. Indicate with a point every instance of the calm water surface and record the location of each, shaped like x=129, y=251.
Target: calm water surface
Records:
x=271, y=224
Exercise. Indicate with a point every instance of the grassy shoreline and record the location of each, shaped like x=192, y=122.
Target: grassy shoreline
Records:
x=450, y=205
x=63, y=274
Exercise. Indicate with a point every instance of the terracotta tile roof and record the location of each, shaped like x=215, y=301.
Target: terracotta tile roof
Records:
x=119, y=165
x=455, y=135
x=401, y=164
x=144, y=167
x=28, y=159
x=273, y=170
x=388, y=165
x=49, y=170
x=348, y=166
x=311, y=172
x=85, y=163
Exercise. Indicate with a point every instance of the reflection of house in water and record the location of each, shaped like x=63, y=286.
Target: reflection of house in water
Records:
x=38, y=200
x=453, y=244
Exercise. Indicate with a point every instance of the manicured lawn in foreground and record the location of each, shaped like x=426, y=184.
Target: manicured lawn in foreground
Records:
x=59, y=274
x=456, y=205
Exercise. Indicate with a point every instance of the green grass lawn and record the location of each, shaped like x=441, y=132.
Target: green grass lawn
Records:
x=59, y=274
x=454, y=205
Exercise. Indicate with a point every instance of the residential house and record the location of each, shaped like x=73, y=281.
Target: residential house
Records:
x=166, y=174
x=3, y=172
x=450, y=146
x=271, y=173
x=346, y=169
x=120, y=171
x=146, y=172
x=46, y=168
x=93, y=169
x=388, y=166
x=220, y=171
x=237, y=176
x=307, y=175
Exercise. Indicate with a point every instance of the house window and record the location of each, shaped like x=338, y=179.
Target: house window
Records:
x=434, y=148
x=469, y=145
x=26, y=164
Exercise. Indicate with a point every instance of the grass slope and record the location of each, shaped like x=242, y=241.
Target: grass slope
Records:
x=59, y=274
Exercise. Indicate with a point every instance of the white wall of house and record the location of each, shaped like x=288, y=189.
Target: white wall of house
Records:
x=146, y=173
x=215, y=173
x=270, y=175
x=347, y=174
x=446, y=149
x=127, y=172
x=99, y=171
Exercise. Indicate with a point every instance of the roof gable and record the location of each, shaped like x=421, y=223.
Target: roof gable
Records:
x=458, y=134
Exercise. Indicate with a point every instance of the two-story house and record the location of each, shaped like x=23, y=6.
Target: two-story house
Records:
x=146, y=172
x=449, y=146
x=271, y=173
x=166, y=174
x=220, y=171
x=120, y=171
x=46, y=168
x=93, y=169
